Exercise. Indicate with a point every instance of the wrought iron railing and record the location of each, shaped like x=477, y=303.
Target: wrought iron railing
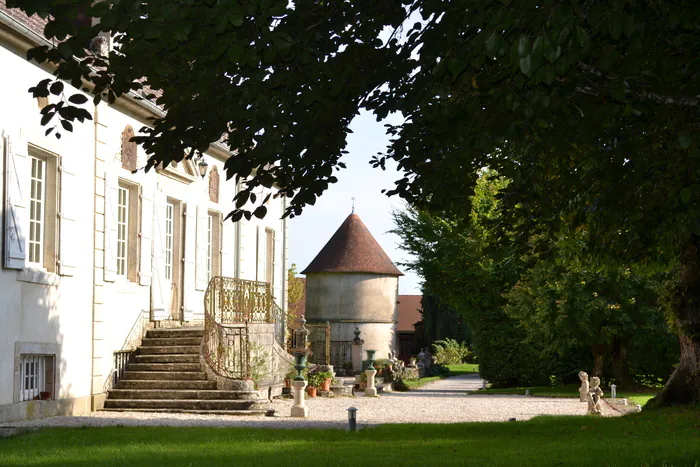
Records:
x=341, y=353
x=230, y=305
x=318, y=340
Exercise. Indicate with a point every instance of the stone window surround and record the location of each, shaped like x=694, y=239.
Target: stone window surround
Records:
x=46, y=275
x=36, y=348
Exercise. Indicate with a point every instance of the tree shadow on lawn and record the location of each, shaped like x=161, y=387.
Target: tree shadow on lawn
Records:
x=669, y=437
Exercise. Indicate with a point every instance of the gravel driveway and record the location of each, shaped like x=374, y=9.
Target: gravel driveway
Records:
x=445, y=401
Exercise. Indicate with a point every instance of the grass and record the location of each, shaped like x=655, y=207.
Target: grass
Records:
x=666, y=437
x=571, y=390
x=463, y=368
x=455, y=370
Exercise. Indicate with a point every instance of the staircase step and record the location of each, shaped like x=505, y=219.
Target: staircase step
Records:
x=164, y=384
x=166, y=358
x=160, y=341
x=169, y=349
x=185, y=367
x=186, y=404
x=252, y=412
x=176, y=332
x=164, y=375
x=188, y=394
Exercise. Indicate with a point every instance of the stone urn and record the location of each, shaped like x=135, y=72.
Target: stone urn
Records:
x=370, y=359
x=299, y=365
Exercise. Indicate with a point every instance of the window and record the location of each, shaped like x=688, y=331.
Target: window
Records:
x=41, y=241
x=169, y=229
x=213, y=245
x=36, y=377
x=122, y=230
x=270, y=258
x=37, y=201
x=124, y=227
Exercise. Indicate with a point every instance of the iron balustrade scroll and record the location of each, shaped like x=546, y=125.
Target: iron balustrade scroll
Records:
x=230, y=305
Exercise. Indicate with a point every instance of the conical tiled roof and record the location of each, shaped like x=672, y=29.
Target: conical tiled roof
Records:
x=352, y=248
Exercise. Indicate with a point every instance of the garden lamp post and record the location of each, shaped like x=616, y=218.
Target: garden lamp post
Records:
x=352, y=418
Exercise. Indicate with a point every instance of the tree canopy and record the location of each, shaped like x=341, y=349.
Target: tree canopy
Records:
x=589, y=107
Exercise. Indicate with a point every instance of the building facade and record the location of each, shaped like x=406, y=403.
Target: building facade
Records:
x=96, y=250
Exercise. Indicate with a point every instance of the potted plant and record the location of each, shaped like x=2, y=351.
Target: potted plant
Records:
x=325, y=378
x=315, y=381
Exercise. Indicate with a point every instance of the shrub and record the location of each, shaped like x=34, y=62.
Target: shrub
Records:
x=450, y=352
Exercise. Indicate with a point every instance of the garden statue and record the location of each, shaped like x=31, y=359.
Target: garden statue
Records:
x=594, y=396
x=583, y=390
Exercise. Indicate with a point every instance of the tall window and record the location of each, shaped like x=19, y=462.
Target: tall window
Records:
x=122, y=231
x=210, y=245
x=37, y=206
x=169, y=229
x=213, y=245
x=270, y=257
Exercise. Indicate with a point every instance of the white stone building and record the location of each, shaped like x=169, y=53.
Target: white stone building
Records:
x=92, y=253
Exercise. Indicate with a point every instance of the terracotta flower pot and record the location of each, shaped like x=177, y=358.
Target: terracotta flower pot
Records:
x=287, y=383
x=326, y=385
x=311, y=391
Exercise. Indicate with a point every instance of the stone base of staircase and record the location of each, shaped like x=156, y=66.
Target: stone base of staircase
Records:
x=166, y=376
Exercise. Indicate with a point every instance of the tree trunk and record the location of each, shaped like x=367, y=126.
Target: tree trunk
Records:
x=600, y=351
x=620, y=360
x=683, y=387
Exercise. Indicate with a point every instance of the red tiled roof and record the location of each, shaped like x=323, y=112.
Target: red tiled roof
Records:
x=33, y=22
x=352, y=248
x=408, y=313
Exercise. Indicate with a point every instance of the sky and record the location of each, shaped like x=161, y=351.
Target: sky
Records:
x=310, y=231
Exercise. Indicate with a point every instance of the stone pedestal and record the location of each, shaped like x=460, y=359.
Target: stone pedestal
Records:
x=299, y=409
x=370, y=390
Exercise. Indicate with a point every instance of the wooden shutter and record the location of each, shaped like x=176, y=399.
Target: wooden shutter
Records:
x=69, y=242
x=111, y=210
x=191, y=251
x=202, y=245
x=228, y=249
x=16, y=198
x=160, y=287
x=146, y=237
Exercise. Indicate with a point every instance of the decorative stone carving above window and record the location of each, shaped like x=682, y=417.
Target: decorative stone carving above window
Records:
x=129, y=150
x=214, y=185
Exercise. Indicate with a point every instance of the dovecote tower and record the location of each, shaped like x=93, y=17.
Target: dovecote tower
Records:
x=353, y=283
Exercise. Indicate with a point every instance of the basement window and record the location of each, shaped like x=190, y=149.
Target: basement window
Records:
x=36, y=375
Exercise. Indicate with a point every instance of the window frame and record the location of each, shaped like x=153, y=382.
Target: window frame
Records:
x=37, y=201
x=42, y=378
x=122, y=230
x=49, y=221
x=214, y=233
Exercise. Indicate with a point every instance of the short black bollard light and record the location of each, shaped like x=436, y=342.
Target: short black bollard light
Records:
x=352, y=419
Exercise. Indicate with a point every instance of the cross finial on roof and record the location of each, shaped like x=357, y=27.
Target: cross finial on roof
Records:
x=353, y=204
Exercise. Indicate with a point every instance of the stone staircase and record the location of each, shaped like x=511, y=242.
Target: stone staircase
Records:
x=165, y=375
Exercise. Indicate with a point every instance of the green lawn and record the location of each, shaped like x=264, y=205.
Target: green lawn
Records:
x=667, y=437
x=571, y=390
x=463, y=368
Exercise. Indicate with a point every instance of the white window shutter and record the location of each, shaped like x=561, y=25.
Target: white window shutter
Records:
x=146, y=237
x=262, y=253
x=228, y=245
x=69, y=242
x=202, y=244
x=16, y=198
x=160, y=286
x=191, y=251
x=111, y=208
